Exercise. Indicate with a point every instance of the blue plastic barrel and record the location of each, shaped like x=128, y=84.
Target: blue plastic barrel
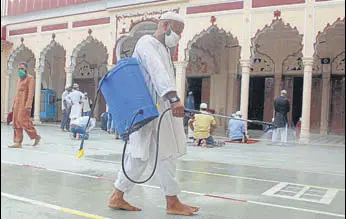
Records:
x=126, y=93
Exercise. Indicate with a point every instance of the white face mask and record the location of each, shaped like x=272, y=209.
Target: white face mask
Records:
x=172, y=39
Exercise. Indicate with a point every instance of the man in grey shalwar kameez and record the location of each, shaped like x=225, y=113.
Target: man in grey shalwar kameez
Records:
x=154, y=58
x=282, y=107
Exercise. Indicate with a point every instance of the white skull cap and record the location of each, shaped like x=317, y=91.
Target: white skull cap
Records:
x=203, y=106
x=239, y=114
x=170, y=15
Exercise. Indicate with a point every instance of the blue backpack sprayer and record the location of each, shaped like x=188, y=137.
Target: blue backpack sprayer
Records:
x=132, y=106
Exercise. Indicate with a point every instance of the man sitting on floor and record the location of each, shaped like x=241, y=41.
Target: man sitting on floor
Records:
x=203, y=125
x=237, y=130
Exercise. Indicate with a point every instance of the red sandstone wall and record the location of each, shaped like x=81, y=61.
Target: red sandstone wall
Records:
x=206, y=90
x=337, y=116
x=268, y=99
x=316, y=101
x=17, y=7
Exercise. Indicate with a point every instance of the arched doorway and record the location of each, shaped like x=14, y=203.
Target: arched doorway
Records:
x=276, y=64
x=20, y=54
x=212, y=70
x=89, y=64
x=126, y=44
x=330, y=63
x=52, y=65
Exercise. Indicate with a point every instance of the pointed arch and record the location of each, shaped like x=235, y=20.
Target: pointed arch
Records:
x=30, y=60
x=330, y=43
x=89, y=40
x=233, y=42
x=137, y=30
x=43, y=56
x=288, y=41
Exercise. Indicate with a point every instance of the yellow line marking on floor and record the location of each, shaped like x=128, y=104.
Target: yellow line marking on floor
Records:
x=79, y=213
x=55, y=207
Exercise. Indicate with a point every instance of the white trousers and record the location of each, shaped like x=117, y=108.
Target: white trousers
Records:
x=134, y=167
x=282, y=132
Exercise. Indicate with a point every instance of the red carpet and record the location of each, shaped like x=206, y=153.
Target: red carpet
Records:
x=249, y=141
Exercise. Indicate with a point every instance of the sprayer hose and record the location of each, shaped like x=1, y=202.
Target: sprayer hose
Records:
x=156, y=152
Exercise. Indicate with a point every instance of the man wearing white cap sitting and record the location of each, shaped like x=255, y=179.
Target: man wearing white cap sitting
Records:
x=154, y=57
x=282, y=108
x=202, y=126
x=237, y=129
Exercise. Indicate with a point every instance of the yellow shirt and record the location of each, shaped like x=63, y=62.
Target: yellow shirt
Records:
x=202, y=125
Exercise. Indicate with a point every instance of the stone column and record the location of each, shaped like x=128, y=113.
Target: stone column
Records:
x=245, y=83
x=69, y=76
x=325, y=105
x=180, y=69
x=277, y=85
x=7, y=96
x=37, y=109
x=96, y=109
x=305, y=128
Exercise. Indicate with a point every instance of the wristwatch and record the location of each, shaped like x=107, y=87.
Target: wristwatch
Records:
x=174, y=99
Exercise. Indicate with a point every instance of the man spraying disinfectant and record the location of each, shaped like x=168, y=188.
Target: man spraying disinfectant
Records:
x=153, y=55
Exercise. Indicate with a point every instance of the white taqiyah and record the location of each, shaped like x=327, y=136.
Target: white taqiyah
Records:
x=170, y=15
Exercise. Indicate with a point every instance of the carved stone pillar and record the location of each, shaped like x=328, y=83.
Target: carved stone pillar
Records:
x=37, y=97
x=69, y=76
x=245, y=83
x=7, y=96
x=268, y=99
x=325, y=105
x=305, y=127
x=277, y=85
x=180, y=69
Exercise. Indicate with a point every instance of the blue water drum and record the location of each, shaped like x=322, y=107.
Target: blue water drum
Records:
x=127, y=95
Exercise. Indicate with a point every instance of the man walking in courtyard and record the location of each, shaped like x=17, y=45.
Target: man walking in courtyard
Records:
x=153, y=54
x=22, y=108
x=281, y=107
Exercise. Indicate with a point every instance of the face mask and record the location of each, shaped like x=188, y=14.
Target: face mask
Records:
x=172, y=39
x=21, y=73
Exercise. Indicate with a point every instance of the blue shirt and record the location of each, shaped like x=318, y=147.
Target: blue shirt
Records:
x=190, y=102
x=236, y=129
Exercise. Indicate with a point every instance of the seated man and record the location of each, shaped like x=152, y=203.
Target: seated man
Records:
x=79, y=129
x=237, y=130
x=202, y=125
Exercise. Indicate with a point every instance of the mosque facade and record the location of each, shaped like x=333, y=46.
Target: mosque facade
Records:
x=233, y=54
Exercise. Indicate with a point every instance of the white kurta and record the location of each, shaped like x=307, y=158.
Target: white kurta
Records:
x=159, y=74
x=86, y=105
x=75, y=99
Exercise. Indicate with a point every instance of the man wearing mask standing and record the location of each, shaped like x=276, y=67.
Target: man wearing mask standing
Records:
x=22, y=108
x=153, y=54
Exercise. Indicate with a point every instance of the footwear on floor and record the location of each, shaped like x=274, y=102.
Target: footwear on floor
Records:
x=15, y=145
x=36, y=141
